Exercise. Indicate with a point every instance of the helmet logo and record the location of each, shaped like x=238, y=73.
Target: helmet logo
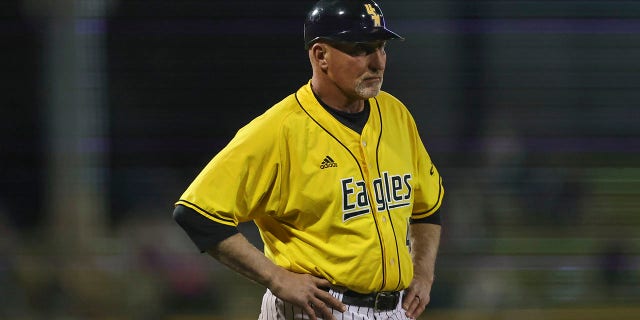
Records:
x=374, y=15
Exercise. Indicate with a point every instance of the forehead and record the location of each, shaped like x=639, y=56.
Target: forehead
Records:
x=357, y=48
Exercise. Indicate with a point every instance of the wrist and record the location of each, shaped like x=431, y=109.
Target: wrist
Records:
x=273, y=278
x=424, y=278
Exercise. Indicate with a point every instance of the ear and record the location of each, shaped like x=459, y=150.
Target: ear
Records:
x=319, y=53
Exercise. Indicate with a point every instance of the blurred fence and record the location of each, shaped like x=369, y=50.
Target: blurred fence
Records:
x=529, y=109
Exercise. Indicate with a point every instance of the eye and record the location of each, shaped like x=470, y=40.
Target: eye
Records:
x=355, y=49
x=371, y=47
x=360, y=48
x=366, y=48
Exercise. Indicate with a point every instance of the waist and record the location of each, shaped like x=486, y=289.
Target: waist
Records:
x=381, y=301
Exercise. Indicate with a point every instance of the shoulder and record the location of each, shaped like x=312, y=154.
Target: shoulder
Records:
x=389, y=101
x=389, y=105
x=388, y=97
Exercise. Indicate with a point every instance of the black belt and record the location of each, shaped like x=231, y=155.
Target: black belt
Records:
x=382, y=301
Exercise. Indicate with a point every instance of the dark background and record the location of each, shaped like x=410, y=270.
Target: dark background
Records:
x=528, y=108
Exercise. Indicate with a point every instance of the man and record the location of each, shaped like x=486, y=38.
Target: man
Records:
x=338, y=182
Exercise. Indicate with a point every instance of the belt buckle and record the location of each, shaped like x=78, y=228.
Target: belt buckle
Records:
x=378, y=296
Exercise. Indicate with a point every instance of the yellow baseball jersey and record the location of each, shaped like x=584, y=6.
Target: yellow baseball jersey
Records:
x=327, y=201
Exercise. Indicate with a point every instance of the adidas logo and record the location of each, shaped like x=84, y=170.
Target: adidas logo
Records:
x=328, y=163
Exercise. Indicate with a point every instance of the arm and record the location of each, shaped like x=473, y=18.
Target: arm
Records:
x=232, y=249
x=425, y=240
x=303, y=290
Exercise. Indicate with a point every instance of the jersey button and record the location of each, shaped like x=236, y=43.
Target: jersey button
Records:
x=384, y=219
x=364, y=143
x=392, y=262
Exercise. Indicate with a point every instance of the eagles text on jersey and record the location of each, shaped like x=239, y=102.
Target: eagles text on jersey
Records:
x=390, y=191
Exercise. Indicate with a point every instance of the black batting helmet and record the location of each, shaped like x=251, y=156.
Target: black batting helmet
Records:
x=346, y=20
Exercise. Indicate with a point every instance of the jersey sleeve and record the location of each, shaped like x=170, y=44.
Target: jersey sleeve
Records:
x=429, y=189
x=241, y=181
x=205, y=233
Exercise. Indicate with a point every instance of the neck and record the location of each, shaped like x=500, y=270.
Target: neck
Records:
x=335, y=98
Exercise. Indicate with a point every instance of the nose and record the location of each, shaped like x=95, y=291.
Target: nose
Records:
x=378, y=60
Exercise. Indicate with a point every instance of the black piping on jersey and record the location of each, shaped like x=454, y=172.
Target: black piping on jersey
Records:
x=438, y=201
x=350, y=215
x=384, y=267
x=207, y=212
x=395, y=237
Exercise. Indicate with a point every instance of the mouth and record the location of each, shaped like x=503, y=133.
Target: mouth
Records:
x=369, y=79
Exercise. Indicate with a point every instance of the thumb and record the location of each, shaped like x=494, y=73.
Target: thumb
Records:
x=322, y=283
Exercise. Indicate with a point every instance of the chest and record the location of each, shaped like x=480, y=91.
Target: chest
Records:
x=353, y=174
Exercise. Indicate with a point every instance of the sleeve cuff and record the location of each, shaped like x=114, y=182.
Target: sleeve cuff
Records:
x=433, y=219
x=205, y=233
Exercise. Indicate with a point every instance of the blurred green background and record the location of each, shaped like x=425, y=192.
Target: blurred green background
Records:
x=110, y=108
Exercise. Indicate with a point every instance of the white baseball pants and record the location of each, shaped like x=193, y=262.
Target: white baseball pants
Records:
x=274, y=308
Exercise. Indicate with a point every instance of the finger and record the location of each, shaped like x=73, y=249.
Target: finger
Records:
x=417, y=306
x=322, y=283
x=309, y=310
x=326, y=297
x=409, y=296
x=331, y=301
x=321, y=308
x=412, y=305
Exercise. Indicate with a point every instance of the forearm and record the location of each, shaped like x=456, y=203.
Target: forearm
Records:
x=237, y=253
x=302, y=290
x=425, y=240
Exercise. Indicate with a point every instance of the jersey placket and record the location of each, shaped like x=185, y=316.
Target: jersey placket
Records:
x=367, y=152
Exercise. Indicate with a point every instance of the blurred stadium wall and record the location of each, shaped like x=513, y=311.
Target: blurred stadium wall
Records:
x=110, y=108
